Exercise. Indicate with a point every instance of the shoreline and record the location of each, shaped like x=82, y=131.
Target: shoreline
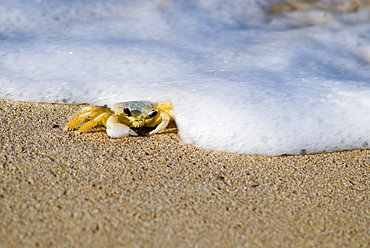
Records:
x=67, y=189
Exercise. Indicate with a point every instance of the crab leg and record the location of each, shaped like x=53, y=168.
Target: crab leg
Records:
x=78, y=118
x=167, y=105
x=99, y=119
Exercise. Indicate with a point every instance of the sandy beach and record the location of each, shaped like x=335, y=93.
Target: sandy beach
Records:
x=63, y=189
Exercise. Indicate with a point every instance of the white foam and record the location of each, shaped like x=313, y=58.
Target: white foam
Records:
x=240, y=82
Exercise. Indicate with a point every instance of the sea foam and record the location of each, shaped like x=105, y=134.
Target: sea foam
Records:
x=241, y=81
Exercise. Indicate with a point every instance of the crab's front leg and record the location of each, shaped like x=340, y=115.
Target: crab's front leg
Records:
x=162, y=126
x=115, y=129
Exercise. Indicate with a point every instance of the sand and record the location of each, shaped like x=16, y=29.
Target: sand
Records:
x=63, y=189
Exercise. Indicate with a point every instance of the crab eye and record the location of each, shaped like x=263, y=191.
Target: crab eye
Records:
x=152, y=113
x=127, y=111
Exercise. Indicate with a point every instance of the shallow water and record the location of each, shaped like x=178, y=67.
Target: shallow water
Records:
x=241, y=80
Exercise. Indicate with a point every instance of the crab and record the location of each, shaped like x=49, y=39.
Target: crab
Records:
x=123, y=116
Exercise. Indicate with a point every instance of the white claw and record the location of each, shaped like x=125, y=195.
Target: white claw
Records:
x=162, y=126
x=118, y=130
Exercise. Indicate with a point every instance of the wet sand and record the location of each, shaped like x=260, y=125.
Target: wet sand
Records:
x=63, y=189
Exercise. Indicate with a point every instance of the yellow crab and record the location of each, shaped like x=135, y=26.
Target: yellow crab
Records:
x=122, y=116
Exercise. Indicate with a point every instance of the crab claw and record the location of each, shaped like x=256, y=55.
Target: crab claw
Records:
x=118, y=130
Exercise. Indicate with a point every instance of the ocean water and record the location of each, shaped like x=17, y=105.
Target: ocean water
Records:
x=241, y=79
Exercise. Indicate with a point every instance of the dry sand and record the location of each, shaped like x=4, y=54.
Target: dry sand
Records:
x=61, y=189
